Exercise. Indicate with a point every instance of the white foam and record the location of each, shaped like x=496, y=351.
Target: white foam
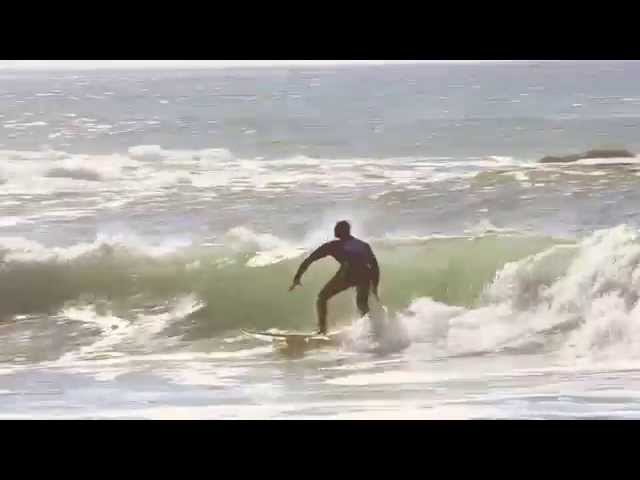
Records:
x=485, y=227
x=607, y=161
x=20, y=249
x=521, y=177
x=269, y=249
x=114, y=331
x=273, y=256
x=10, y=221
x=49, y=171
x=199, y=373
x=589, y=291
x=19, y=126
x=146, y=167
x=378, y=332
x=146, y=151
x=244, y=237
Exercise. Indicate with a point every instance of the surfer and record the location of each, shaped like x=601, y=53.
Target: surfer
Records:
x=358, y=268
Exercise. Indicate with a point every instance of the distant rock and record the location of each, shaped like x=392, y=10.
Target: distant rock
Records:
x=601, y=153
x=565, y=159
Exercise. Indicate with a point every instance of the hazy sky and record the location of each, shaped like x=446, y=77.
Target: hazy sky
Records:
x=106, y=64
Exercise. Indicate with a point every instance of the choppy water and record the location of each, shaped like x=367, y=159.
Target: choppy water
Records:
x=147, y=216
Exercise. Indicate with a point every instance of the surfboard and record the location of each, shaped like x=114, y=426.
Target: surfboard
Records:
x=293, y=335
x=298, y=339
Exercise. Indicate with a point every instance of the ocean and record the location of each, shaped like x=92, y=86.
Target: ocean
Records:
x=148, y=216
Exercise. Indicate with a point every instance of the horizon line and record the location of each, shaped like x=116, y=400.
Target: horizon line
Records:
x=53, y=65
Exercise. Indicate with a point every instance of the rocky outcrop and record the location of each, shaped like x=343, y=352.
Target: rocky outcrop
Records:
x=601, y=153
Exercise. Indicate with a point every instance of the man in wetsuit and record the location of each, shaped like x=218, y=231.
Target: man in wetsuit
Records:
x=358, y=268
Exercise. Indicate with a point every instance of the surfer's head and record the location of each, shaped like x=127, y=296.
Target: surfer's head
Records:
x=342, y=229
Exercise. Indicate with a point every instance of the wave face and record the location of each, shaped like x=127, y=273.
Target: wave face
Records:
x=242, y=282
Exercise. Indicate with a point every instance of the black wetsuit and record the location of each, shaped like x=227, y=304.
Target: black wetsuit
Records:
x=358, y=268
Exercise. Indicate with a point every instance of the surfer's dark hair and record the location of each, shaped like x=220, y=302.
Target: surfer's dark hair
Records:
x=342, y=229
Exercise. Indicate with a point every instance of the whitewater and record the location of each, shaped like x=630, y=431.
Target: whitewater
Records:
x=147, y=218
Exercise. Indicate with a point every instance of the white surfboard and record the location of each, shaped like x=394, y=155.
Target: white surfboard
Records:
x=297, y=338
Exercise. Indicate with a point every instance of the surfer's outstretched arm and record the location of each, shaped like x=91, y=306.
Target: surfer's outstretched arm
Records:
x=321, y=252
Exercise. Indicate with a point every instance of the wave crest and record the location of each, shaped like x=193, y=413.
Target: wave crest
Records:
x=580, y=299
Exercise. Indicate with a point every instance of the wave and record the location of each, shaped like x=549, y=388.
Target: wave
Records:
x=242, y=281
x=152, y=167
x=138, y=334
x=487, y=294
x=579, y=301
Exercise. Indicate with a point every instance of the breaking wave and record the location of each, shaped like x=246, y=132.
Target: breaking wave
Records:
x=243, y=280
x=468, y=295
x=578, y=300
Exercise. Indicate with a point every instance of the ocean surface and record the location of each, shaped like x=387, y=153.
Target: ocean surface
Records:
x=147, y=216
